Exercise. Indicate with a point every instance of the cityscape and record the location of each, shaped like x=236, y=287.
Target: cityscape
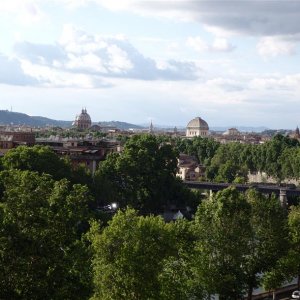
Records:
x=149, y=150
x=206, y=162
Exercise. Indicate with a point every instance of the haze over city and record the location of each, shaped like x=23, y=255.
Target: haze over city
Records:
x=230, y=62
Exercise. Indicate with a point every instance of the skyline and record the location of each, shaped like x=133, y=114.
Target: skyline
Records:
x=233, y=63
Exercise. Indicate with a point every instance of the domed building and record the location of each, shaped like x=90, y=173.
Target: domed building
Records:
x=83, y=121
x=197, y=127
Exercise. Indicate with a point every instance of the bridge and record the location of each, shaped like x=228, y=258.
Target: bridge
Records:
x=282, y=191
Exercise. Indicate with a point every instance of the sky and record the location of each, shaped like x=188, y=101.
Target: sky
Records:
x=231, y=62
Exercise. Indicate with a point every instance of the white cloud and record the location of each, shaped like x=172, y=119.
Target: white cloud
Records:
x=49, y=77
x=11, y=6
x=116, y=4
x=274, y=46
x=87, y=62
x=96, y=56
x=288, y=83
x=222, y=45
x=26, y=12
x=119, y=61
x=197, y=43
x=218, y=45
x=12, y=73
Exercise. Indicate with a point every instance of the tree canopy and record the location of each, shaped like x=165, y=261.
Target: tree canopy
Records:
x=142, y=176
x=37, y=158
x=42, y=255
x=128, y=256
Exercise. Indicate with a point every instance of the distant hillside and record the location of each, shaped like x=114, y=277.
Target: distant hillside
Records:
x=8, y=118
x=15, y=118
x=48, y=121
x=119, y=125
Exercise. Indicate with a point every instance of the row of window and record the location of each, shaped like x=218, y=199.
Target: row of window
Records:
x=195, y=133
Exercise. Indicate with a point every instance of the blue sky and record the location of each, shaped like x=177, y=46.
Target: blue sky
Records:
x=231, y=62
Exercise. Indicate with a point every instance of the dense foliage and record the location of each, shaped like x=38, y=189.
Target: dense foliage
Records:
x=142, y=176
x=42, y=255
x=54, y=244
x=279, y=158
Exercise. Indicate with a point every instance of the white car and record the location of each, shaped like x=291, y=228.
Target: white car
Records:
x=296, y=295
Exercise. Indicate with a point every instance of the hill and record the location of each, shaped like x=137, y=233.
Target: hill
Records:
x=119, y=125
x=15, y=118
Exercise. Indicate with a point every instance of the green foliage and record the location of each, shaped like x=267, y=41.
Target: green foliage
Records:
x=290, y=163
x=142, y=176
x=42, y=255
x=139, y=257
x=38, y=158
x=223, y=229
x=81, y=175
x=268, y=242
x=270, y=156
x=230, y=161
x=128, y=256
x=288, y=266
x=202, y=148
x=178, y=278
x=294, y=253
x=233, y=239
x=239, y=238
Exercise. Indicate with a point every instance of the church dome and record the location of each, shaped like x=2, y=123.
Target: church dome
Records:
x=83, y=121
x=197, y=127
x=198, y=123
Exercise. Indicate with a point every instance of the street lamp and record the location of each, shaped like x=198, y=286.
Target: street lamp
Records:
x=111, y=208
x=114, y=205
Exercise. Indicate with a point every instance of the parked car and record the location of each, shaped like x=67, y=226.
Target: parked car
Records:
x=296, y=295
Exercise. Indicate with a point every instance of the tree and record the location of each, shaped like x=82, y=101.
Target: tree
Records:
x=142, y=176
x=42, y=254
x=288, y=266
x=240, y=237
x=202, y=148
x=268, y=240
x=37, y=158
x=270, y=155
x=223, y=229
x=290, y=163
x=230, y=161
x=178, y=278
x=128, y=256
x=294, y=229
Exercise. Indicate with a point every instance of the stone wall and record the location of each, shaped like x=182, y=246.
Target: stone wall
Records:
x=263, y=177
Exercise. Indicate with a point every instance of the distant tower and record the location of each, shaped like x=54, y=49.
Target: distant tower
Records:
x=151, y=128
x=175, y=131
x=83, y=121
x=297, y=132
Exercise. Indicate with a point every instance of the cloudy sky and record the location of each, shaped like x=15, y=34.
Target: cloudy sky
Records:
x=230, y=62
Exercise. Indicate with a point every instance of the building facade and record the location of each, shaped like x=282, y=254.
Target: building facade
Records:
x=12, y=139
